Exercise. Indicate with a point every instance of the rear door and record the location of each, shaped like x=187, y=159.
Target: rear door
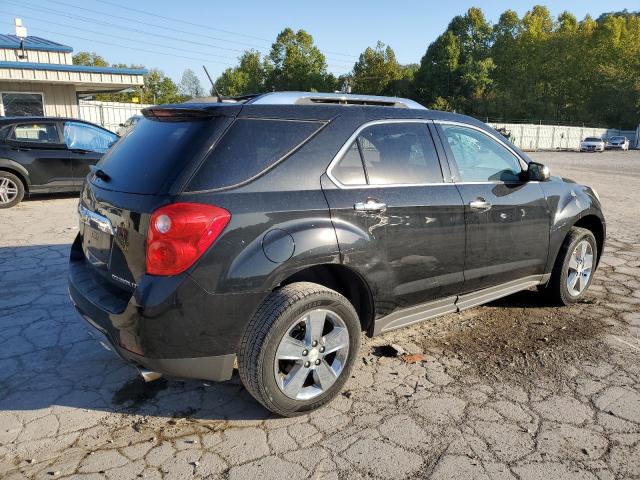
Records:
x=39, y=148
x=507, y=216
x=399, y=223
x=86, y=145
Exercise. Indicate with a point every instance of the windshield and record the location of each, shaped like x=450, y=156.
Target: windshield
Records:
x=592, y=139
x=618, y=139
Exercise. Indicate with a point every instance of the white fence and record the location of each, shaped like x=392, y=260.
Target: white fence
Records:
x=108, y=114
x=529, y=136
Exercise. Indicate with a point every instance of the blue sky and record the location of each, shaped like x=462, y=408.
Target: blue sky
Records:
x=122, y=32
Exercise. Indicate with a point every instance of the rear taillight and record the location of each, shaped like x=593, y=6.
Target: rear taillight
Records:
x=180, y=233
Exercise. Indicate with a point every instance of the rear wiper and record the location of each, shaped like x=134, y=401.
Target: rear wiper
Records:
x=101, y=174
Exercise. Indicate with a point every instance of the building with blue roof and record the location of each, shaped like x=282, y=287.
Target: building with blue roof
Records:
x=37, y=77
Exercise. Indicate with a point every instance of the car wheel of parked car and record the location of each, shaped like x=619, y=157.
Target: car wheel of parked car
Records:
x=574, y=268
x=11, y=190
x=299, y=348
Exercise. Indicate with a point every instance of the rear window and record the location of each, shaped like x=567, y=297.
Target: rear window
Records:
x=150, y=157
x=249, y=148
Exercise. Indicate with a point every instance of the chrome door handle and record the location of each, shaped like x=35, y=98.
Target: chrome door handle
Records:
x=480, y=204
x=371, y=205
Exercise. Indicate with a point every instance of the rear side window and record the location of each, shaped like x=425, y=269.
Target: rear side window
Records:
x=36, y=132
x=349, y=169
x=87, y=137
x=149, y=158
x=393, y=154
x=249, y=147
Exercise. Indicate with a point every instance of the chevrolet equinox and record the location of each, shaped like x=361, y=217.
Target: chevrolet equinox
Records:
x=267, y=232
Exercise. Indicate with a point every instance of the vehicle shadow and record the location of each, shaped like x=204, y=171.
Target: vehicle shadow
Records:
x=48, y=357
x=49, y=196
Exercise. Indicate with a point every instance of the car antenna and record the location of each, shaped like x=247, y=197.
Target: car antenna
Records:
x=213, y=85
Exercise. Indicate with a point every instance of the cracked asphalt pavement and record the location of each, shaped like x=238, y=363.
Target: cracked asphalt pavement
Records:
x=517, y=389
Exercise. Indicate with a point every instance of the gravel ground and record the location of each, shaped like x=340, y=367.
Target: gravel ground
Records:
x=516, y=389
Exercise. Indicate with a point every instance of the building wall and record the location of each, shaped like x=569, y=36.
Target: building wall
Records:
x=35, y=56
x=92, y=80
x=59, y=100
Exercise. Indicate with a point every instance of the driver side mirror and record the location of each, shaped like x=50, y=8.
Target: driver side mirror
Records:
x=538, y=172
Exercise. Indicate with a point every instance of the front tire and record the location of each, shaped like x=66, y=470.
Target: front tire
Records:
x=11, y=190
x=299, y=348
x=574, y=268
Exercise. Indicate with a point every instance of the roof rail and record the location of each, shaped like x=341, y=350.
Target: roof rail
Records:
x=315, y=98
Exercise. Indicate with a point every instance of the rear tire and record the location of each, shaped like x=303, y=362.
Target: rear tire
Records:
x=287, y=324
x=11, y=189
x=574, y=268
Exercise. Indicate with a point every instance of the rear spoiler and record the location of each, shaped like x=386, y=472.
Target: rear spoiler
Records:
x=184, y=112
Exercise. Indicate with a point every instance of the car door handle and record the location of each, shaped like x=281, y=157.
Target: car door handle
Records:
x=480, y=204
x=371, y=206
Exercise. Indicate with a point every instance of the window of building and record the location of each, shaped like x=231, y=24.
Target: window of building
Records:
x=17, y=104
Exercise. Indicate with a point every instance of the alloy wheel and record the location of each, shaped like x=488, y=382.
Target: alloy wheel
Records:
x=8, y=190
x=312, y=354
x=580, y=268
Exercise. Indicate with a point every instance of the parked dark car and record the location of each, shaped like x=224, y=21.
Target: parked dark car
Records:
x=274, y=230
x=46, y=155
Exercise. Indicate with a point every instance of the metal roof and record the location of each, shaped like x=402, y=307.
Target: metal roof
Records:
x=73, y=68
x=310, y=98
x=33, y=43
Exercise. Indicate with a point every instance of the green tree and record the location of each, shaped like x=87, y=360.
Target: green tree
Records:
x=457, y=66
x=190, y=86
x=90, y=59
x=295, y=63
x=158, y=88
x=248, y=77
x=376, y=71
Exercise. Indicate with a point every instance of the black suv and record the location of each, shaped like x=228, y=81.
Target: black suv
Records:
x=275, y=229
x=45, y=155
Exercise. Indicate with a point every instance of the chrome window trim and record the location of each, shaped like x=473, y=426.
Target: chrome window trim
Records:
x=522, y=161
x=338, y=156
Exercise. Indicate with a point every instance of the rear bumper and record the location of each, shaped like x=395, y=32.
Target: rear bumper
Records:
x=168, y=324
x=218, y=368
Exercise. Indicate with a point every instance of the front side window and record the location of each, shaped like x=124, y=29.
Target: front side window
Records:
x=80, y=136
x=479, y=158
x=36, y=133
x=392, y=154
x=23, y=104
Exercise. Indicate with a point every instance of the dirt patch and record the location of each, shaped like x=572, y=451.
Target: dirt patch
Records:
x=522, y=336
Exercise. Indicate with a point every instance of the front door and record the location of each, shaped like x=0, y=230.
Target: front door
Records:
x=507, y=216
x=39, y=149
x=409, y=244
